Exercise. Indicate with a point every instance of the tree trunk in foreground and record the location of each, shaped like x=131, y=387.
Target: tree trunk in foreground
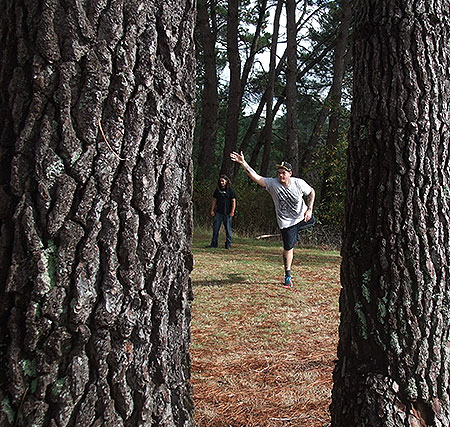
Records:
x=393, y=356
x=95, y=247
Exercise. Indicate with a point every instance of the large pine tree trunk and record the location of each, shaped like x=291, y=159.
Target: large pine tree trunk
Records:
x=393, y=356
x=95, y=247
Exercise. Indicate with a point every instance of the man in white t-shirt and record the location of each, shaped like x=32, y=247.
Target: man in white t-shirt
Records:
x=293, y=214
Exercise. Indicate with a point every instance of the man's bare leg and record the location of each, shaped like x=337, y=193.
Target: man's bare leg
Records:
x=288, y=256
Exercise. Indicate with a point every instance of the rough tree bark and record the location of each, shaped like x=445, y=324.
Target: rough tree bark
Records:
x=95, y=249
x=393, y=356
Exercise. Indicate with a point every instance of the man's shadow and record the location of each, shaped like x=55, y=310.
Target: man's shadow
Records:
x=230, y=279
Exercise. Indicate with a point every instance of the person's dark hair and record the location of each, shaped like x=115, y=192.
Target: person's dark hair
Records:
x=228, y=181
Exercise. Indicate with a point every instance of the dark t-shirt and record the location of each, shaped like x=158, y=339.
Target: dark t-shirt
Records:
x=223, y=200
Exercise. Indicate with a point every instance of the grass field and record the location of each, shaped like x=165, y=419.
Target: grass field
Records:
x=262, y=355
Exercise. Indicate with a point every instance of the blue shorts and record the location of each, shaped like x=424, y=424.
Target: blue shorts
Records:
x=291, y=235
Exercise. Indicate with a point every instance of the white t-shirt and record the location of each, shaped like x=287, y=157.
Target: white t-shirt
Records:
x=289, y=204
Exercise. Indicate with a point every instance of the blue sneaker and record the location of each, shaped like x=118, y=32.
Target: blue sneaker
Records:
x=288, y=282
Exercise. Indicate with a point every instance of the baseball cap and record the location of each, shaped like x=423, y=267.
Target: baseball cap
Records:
x=284, y=165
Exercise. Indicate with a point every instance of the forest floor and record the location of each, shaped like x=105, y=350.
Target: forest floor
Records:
x=262, y=355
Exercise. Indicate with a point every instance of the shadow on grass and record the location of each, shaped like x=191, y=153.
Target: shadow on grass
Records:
x=231, y=279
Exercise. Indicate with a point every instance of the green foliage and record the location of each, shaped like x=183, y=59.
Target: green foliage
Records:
x=336, y=160
x=255, y=212
x=29, y=368
x=58, y=386
x=8, y=410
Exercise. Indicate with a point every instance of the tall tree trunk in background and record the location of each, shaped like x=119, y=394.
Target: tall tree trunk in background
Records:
x=267, y=131
x=291, y=153
x=255, y=45
x=393, y=356
x=334, y=101
x=321, y=120
x=234, y=92
x=210, y=98
x=237, y=82
x=306, y=156
x=262, y=139
x=95, y=247
x=315, y=56
x=252, y=128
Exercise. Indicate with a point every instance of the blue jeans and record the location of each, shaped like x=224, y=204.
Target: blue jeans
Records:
x=220, y=219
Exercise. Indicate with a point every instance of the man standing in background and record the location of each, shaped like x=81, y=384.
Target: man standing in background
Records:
x=222, y=209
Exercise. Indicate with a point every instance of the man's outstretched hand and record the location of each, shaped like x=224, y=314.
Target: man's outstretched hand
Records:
x=239, y=158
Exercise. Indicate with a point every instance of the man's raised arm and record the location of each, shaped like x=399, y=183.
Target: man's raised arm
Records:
x=239, y=158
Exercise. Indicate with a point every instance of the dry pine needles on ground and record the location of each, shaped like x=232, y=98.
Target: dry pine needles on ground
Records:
x=263, y=355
